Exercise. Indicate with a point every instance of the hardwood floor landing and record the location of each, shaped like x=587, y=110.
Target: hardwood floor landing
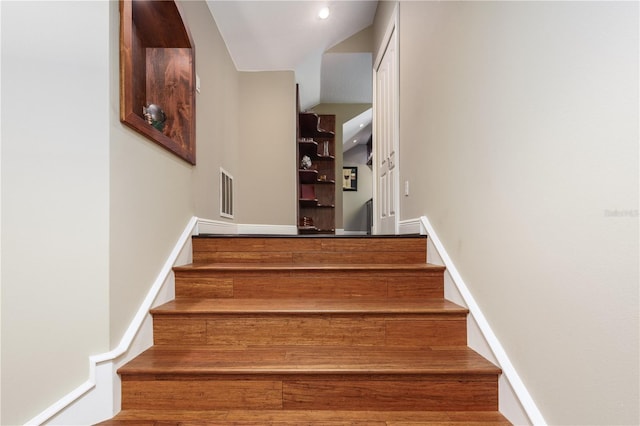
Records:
x=306, y=417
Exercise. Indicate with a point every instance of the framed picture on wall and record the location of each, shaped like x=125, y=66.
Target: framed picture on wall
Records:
x=349, y=178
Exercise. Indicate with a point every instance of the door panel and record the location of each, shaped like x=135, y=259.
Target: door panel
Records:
x=386, y=138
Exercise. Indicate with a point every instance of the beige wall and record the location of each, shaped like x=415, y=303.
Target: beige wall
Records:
x=153, y=192
x=519, y=137
x=149, y=191
x=217, y=110
x=90, y=209
x=357, y=43
x=383, y=16
x=265, y=187
x=55, y=200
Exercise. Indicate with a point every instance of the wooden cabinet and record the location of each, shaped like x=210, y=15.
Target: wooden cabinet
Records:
x=316, y=173
x=157, y=67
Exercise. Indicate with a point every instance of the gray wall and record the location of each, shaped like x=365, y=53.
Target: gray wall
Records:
x=354, y=212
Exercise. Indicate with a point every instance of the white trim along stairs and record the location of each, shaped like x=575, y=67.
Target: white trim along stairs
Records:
x=99, y=397
x=515, y=401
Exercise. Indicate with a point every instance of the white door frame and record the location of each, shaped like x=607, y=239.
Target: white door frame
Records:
x=392, y=27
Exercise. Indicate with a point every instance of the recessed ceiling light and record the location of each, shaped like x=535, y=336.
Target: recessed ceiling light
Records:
x=361, y=124
x=324, y=13
x=355, y=141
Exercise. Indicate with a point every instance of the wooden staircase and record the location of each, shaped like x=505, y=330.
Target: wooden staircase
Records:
x=309, y=331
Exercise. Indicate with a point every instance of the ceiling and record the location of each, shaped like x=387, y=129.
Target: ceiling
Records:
x=288, y=35
x=280, y=35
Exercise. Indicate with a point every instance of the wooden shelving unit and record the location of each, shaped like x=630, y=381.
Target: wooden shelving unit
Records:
x=157, y=66
x=316, y=184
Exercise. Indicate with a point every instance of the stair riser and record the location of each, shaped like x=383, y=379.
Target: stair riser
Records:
x=310, y=250
x=454, y=393
x=308, y=258
x=317, y=284
x=331, y=330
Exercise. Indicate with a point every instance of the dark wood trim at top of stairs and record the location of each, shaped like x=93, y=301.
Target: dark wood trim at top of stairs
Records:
x=309, y=236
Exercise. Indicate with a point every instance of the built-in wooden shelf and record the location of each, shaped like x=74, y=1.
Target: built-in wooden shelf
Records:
x=310, y=127
x=316, y=231
x=157, y=66
x=308, y=202
x=313, y=177
x=308, y=176
x=316, y=140
x=312, y=145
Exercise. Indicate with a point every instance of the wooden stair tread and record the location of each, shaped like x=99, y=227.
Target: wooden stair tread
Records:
x=317, y=306
x=308, y=360
x=207, y=266
x=307, y=417
x=318, y=331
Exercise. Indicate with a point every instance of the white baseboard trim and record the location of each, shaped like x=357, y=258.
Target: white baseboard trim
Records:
x=98, y=399
x=217, y=227
x=206, y=226
x=356, y=233
x=247, y=228
x=515, y=401
x=410, y=226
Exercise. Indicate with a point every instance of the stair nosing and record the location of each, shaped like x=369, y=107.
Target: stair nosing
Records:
x=318, y=371
x=378, y=373
x=265, y=266
x=301, y=360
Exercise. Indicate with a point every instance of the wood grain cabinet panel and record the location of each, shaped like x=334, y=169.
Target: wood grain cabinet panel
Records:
x=157, y=67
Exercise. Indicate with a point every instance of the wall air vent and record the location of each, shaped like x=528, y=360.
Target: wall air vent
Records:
x=226, y=194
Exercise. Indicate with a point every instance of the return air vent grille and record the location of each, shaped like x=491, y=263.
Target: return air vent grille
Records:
x=226, y=194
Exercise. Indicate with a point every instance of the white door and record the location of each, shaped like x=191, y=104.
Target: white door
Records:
x=386, y=138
